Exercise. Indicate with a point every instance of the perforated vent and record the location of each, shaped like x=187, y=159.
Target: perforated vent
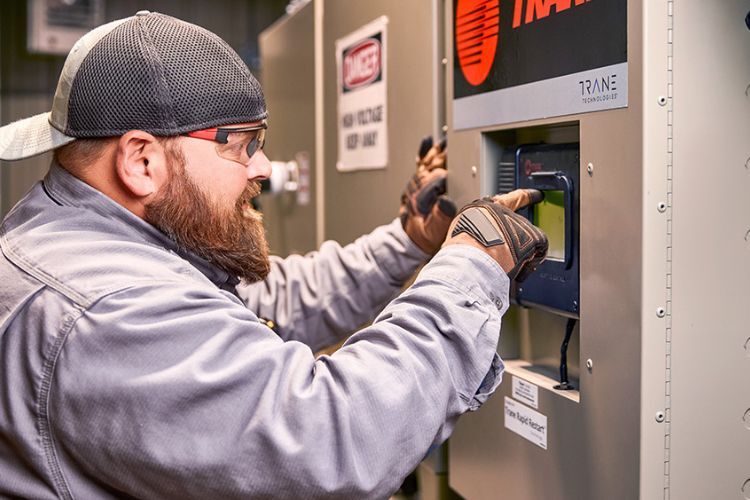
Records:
x=506, y=174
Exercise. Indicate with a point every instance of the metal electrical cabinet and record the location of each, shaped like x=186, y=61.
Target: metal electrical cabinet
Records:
x=661, y=354
x=356, y=202
x=288, y=78
x=298, y=57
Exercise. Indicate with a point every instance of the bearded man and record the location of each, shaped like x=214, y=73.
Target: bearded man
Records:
x=133, y=359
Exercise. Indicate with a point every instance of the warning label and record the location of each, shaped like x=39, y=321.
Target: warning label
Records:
x=526, y=422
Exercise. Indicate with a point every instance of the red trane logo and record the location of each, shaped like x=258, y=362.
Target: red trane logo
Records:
x=362, y=64
x=477, y=27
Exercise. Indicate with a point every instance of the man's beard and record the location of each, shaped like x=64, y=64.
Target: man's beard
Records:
x=231, y=239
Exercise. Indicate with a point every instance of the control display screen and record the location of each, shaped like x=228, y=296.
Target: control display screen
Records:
x=549, y=216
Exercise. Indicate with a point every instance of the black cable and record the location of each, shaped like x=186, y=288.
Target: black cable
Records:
x=564, y=384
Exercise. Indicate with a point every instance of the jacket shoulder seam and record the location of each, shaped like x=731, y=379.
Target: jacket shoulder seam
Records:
x=21, y=261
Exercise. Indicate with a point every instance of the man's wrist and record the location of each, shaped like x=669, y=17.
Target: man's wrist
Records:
x=411, y=247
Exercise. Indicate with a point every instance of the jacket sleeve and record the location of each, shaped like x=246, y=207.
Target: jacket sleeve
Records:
x=174, y=390
x=322, y=296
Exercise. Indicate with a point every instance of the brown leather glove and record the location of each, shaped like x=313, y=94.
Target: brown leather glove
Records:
x=491, y=225
x=426, y=212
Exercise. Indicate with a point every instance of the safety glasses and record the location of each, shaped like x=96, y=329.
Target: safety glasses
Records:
x=236, y=144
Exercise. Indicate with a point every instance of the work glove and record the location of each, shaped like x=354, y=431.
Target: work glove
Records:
x=426, y=212
x=492, y=225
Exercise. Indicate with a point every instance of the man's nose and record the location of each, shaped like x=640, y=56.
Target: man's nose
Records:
x=259, y=167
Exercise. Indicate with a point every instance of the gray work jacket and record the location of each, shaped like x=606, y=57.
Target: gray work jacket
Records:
x=131, y=369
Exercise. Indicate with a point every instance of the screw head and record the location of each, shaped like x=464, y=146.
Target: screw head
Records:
x=659, y=416
x=661, y=207
x=662, y=100
x=660, y=312
x=590, y=169
x=444, y=61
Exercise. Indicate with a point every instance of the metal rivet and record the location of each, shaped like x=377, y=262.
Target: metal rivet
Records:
x=590, y=168
x=746, y=419
x=662, y=100
x=444, y=128
x=473, y=170
x=661, y=207
x=589, y=364
x=444, y=61
x=659, y=416
x=660, y=312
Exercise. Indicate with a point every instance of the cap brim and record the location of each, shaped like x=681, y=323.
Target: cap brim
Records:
x=30, y=137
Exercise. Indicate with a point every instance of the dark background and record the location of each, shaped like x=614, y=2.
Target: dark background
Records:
x=580, y=38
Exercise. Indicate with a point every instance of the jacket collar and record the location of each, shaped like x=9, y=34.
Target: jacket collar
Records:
x=67, y=190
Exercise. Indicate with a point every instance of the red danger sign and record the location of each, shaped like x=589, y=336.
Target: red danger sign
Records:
x=362, y=64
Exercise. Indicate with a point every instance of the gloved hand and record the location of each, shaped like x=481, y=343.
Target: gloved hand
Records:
x=492, y=225
x=426, y=212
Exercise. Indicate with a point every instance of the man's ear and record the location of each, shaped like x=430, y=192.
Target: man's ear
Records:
x=140, y=163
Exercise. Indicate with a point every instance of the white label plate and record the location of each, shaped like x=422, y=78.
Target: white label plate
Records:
x=527, y=423
x=526, y=392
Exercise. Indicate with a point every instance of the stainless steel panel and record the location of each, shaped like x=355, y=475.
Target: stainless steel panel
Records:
x=709, y=453
x=356, y=202
x=657, y=116
x=288, y=79
x=593, y=445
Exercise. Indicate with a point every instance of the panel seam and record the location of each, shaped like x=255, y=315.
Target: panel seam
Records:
x=668, y=254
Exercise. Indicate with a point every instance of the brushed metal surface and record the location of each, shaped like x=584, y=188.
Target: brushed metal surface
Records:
x=656, y=239
x=356, y=202
x=288, y=79
x=710, y=446
x=593, y=445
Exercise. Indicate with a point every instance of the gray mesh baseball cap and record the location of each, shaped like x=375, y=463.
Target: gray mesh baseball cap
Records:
x=148, y=72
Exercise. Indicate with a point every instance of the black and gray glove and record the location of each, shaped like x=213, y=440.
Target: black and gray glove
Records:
x=426, y=211
x=491, y=225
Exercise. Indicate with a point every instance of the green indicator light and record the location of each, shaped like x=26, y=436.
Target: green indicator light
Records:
x=549, y=216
